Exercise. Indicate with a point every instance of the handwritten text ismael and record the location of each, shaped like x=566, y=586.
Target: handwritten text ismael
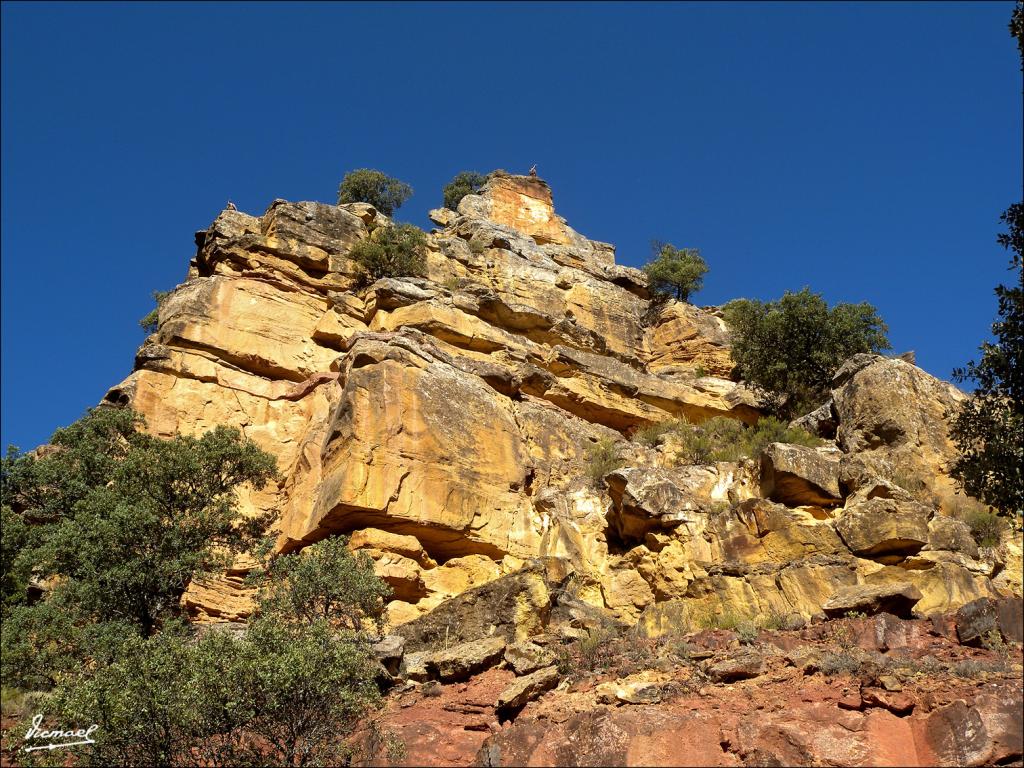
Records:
x=57, y=739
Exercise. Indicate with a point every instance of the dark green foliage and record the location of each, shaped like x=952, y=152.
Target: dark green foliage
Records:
x=989, y=428
x=1017, y=29
x=366, y=185
x=675, y=271
x=119, y=522
x=770, y=430
x=46, y=643
x=396, y=250
x=125, y=520
x=652, y=433
x=152, y=318
x=15, y=566
x=791, y=348
x=464, y=183
x=283, y=694
x=326, y=581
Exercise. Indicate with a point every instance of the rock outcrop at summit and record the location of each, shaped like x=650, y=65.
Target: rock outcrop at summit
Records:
x=449, y=423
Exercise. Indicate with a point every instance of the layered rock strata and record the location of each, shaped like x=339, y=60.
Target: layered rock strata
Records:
x=451, y=424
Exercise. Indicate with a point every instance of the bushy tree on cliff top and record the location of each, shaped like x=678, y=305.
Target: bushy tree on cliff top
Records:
x=464, y=183
x=366, y=185
x=676, y=271
x=791, y=348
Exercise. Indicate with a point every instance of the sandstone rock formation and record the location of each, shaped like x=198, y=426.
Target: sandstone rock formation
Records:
x=477, y=432
x=449, y=423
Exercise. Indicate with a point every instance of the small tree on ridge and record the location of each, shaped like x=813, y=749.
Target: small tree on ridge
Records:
x=675, y=271
x=366, y=185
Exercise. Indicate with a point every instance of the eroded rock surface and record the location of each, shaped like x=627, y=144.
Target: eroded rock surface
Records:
x=481, y=433
x=450, y=422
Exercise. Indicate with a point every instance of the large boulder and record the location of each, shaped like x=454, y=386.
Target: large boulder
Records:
x=652, y=499
x=526, y=657
x=898, y=599
x=795, y=474
x=741, y=667
x=515, y=607
x=897, y=415
x=465, y=660
x=885, y=529
x=976, y=621
x=527, y=688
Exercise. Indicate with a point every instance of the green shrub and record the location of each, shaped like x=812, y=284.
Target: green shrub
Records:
x=986, y=524
x=397, y=250
x=832, y=663
x=974, y=668
x=125, y=520
x=150, y=322
x=602, y=458
x=464, y=183
x=651, y=434
x=993, y=641
x=910, y=481
x=840, y=634
x=716, y=439
x=595, y=650
x=326, y=581
x=774, y=619
x=708, y=618
x=284, y=694
x=770, y=430
x=675, y=271
x=988, y=428
x=746, y=632
x=16, y=537
x=723, y=439
x=791, y=348
x=366, y=185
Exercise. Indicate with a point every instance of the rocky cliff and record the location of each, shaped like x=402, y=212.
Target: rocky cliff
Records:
x=450, y=424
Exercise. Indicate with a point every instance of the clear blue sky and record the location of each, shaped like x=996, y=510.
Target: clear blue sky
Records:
x=865, y=150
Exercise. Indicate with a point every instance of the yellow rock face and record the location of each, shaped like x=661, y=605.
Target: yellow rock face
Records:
x=524, y=204
x=686, y=338
x=462, y=424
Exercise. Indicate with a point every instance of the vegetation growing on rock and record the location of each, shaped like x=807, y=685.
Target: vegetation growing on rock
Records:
x=791, y=348
x=123, y=521
x=989, y=428
x=366, y=185
x=395, y=250
x=675, y=271
x=149, y=322
x=326, y=581
x=464, y=183
x=452, y=430
x=119, y=523
x=603, y=457
x=721, y=439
